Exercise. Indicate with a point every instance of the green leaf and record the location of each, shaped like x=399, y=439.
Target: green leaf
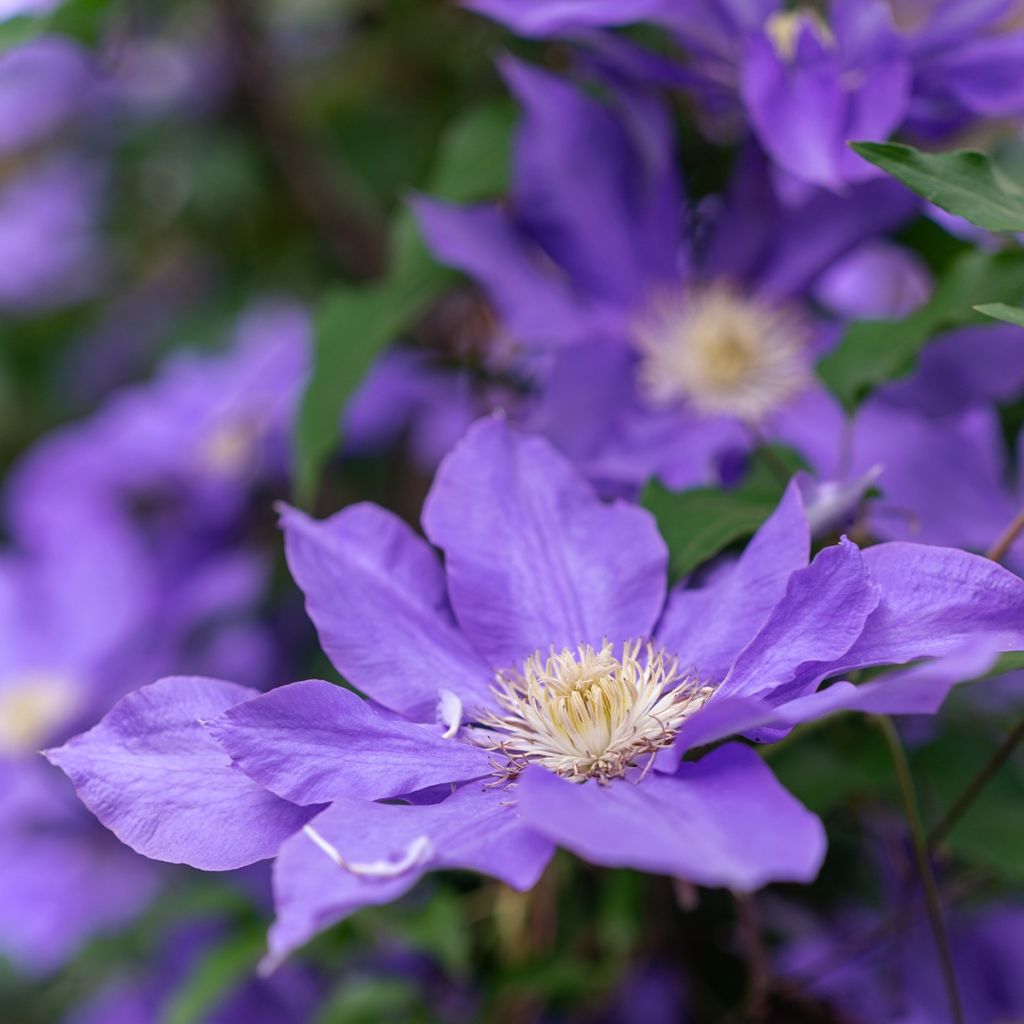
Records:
x=79, y=19
x=353, y=325
x=697, y=524
x=217, y=974
x=438, y=928
x=1001, y=311
x=963, y=182
x=873, y=352
x=373, y=1001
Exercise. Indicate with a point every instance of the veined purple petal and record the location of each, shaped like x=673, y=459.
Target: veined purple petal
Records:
x=709, y=626
x=818, y=620
x=474, y=829
x=933, y=601
x=533, y=558
x=375, y=592
x=722, y=821
x=162, y=785
x=313, y=742
x=920, y=690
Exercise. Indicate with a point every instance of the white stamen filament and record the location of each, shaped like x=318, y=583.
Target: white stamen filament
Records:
x=721, y=352
x=418, y=852
x=588, y=714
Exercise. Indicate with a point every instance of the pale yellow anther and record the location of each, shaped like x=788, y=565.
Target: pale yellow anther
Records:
x=783, y=28
x=230, y=448
x=33, y=708
x=588, y=713
x=721, y=352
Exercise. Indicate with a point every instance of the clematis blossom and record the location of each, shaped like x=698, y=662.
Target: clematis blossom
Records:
x=807, y=78
x=659, y=340
x=542, y=687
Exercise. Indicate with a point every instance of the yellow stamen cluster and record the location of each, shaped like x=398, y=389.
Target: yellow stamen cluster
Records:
x=783, y=28
x=721, y=352
x=589, y=714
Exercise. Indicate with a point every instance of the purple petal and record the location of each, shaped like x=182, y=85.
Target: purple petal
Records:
x=797, y=109
x=818, y=620
x=708, y=627
x=920, y=690
x=878, y=280
x=313, y=742
x=721, y=821
x=153, y=776
x=961, y=368
x=482, y=241
x=533, y=558
x=935, y=600
x=475, y=829
x=375, y=592
x=944, y=479
x=554, y=17
x=617, y=255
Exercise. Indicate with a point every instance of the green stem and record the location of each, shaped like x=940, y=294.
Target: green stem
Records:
x=963, y=802
x=923, y=862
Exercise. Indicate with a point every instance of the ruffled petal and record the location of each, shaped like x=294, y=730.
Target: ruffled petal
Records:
x=150, y=772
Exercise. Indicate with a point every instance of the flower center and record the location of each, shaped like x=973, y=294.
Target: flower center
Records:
x=587, y=714
x=724, y=353
x=33, y=707
x=230, y=448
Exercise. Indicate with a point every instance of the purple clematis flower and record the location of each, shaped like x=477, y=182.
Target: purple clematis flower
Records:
x=808, y=80
x=541, y=688
x=654, y=352
x=189, y=448
x=43, y=84
x=49, y=235
x=68, y=634
x=937, y=438
x=893, y=981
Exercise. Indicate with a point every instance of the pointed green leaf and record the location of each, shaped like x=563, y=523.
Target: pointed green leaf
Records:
x=353, y=325
x=1001, y=311
x=873, y=352
x=963, y=182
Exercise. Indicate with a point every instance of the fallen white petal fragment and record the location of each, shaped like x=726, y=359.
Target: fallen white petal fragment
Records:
x=449, y=710
x=418, y=852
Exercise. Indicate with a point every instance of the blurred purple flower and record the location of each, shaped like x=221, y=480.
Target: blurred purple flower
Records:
x=189, y=448
x=806, y=80
x=43, y=84
x=945, y=475
x=894, y=981
x=50, y=253
x=604, y=680
x=655, y=352
x=71, y=642
x=290, y=997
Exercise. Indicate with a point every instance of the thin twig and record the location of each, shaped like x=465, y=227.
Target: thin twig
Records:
x=748, y=934
x=1006, y=538
x=975, y=786
x=924, y=865
x=316, y=184
x=988, y=771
